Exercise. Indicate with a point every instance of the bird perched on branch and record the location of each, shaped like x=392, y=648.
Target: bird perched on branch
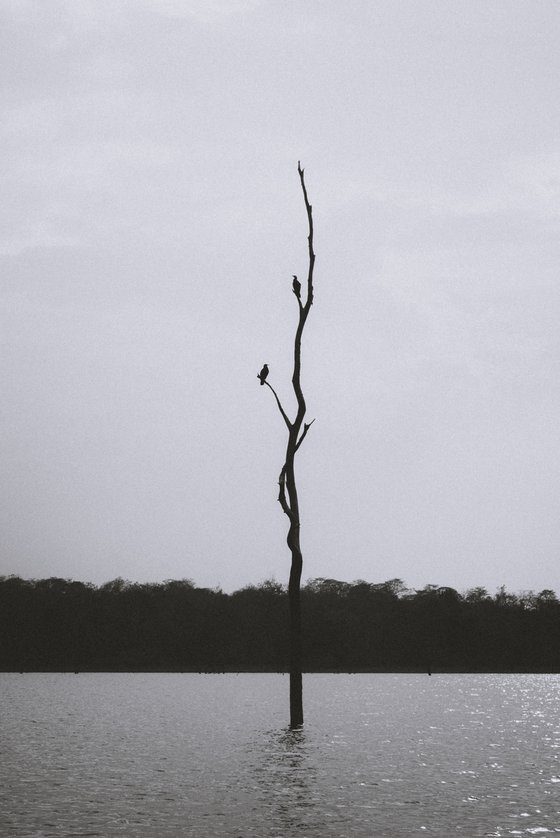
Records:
x=296, y=286
x=263, y=374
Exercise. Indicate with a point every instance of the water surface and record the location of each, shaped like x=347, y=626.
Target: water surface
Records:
x=380, y=756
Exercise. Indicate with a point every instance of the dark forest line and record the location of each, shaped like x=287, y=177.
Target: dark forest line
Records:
x=62, y=625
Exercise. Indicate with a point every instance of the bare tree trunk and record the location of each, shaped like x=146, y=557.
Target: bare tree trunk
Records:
x=288, y=496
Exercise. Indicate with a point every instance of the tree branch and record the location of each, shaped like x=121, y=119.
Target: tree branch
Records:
x=309, y=210
x=280, y=408
x=296, y=287
x=306, y=427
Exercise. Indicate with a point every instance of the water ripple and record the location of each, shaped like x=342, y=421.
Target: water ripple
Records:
x=202, y=755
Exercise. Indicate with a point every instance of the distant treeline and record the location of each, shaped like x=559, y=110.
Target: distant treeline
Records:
x=62, y=625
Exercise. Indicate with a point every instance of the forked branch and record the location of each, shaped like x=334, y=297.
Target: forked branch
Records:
x=306, y=426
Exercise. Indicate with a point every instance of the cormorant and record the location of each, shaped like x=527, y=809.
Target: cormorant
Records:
x=263, y=374
x=296, y=285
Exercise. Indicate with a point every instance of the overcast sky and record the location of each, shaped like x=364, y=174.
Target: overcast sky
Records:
x=151, y=222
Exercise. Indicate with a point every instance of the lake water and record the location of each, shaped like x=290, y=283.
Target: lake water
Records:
x=381, y=756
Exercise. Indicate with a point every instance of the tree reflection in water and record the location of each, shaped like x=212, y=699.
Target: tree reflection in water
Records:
x=285, y=772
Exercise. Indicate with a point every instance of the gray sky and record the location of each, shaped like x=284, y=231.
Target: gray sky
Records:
x=151, y=222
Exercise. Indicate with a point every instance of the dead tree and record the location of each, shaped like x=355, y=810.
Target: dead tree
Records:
x=287, y=495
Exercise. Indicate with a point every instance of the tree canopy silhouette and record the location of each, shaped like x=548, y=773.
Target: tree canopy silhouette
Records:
x=173, y=626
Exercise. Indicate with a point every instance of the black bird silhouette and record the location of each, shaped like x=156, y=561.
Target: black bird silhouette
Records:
x=263, y=374
x=296, y=285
